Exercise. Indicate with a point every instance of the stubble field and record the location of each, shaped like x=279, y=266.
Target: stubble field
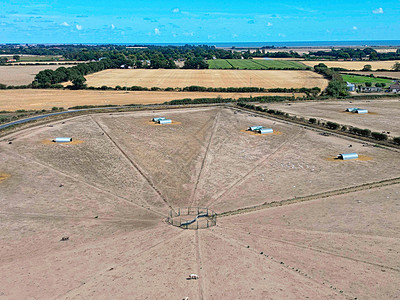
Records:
x=384, y=115
x=20, y=75
x=164, y=78
x=110, y=195
x=37, y=99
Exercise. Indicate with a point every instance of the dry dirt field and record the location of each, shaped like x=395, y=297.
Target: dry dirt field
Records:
x=384, y=114
x=110, y=195
x=19, y=75
x=164, y=78
x=380, y=74
x=353, y=65
x=37, y=99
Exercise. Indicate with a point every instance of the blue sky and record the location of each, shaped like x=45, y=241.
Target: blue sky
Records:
x=100, y=21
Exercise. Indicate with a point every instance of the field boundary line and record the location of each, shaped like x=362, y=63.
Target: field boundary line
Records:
x=103, y=273
x=134, y=164
x=317, y=196
x=214, y=130
x=234, y=242
x=312, y=249
x=341, y=134
x=88, y=184
x=240, y=180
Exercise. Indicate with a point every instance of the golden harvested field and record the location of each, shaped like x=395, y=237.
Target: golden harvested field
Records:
x=208, y=78
x=380, y=74
x=353, y=65
x=19, y=75
x=11, y=100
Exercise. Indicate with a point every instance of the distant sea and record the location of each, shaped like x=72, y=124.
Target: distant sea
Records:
x=395, y=43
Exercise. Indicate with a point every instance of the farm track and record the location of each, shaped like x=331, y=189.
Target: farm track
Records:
x=88, y=184
x=135, y=165
x=240, y=180
x=235, y=242
x=114, y=277
x=317, y=196
x=199, y=266
x=313, y=249
x=213, y=131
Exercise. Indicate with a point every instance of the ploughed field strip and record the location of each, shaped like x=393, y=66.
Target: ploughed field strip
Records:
x=100, y=209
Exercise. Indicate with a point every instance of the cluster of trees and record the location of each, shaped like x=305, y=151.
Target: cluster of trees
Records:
x=49, y=78
x=337, y=87
x=352, y=53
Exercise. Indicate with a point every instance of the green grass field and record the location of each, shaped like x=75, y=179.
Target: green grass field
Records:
x=255, y=64
x=363, y=79
x=35, y=58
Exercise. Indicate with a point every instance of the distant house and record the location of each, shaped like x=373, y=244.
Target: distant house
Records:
x=395, y=88
x=351, y=87
x=372, y=89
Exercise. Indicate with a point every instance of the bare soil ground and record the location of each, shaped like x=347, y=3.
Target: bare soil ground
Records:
x=110, y=195
x=12, y=100
x=20, y=75
x=353, y=65
x=164, y=78
x=384, y=114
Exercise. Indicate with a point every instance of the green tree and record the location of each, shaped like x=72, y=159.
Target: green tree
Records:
x=78, y=83
x=17, y=57
x=367, y=68
x=396, y=66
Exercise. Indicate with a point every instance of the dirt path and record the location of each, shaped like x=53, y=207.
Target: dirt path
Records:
x=86, y=183
x=235, y=242
x=201, y=274
x=213, y=131
x=134, y=164
x=240, y=180
x=317, y=196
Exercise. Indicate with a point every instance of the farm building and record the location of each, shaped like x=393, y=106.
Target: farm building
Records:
x=165, y=121
x=265, y=130
x=348, y=156
x=158, y=119
x=395, y=88
x=352, y=109
x=351, y=87
x=62, y=140
x=361, y=111
x=255, y=128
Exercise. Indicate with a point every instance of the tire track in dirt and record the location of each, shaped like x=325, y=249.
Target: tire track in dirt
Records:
x=199, y=266
x=213, y=131
x=244, y=177
x=313, y=249
x=235, y=242
x=87, y=183
x=134, y=165
x=317, y=196
x=114, y=277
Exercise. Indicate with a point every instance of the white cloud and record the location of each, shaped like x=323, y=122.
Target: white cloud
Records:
x=281, y=35
x=378, y=11
x=79, y=27
x=64, y=24
x=269, y=24
x=355, y=28
x=175, y=10
x=112, y=26
x=156, y=31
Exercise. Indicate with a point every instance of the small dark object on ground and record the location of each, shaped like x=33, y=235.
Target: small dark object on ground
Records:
x=9, y=143
x=96, y=217
x=261, y=252
x=61, y=185
x=64, y=238
x=350, y=146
